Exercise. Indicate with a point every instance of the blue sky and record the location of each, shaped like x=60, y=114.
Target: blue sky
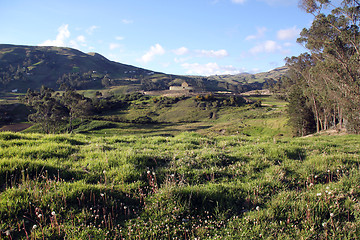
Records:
x=197, y=37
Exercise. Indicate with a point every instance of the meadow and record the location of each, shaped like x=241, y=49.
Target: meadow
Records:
x=241, y=177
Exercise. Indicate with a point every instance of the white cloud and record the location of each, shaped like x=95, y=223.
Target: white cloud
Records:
x=238, y=1
x=212, y=53
x=119, y=38
x=91, y=29
x=260, y=33
x=201, y=53
x=127, y=21
x=288, y=34
x=113, y=46
x=181, y=60
x=154, y=50
x=81, y=39
x=74, y=44
x=181, y=51
x=209, y=69
x=267, y=47
x=63, y=34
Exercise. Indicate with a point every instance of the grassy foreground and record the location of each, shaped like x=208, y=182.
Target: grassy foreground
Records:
x=183, y=187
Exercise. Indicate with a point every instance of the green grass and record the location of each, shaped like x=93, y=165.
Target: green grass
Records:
x=187, y=114
x=182, y=187
x=239, y=175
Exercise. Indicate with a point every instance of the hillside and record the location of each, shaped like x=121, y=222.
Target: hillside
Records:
x=255, y=79
x=23, y=67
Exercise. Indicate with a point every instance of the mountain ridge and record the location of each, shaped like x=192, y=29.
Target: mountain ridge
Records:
x=23, y=67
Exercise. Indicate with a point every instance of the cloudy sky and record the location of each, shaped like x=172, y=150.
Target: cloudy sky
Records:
x=198, y=37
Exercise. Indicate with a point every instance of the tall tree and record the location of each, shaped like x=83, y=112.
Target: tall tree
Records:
x=332, y=70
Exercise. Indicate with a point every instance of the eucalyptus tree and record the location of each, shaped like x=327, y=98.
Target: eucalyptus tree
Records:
x=331, y=72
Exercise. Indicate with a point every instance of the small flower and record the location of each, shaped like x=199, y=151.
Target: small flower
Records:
x=104, y=171
x=331, y=214
x=35, y=226
x=53, y=213
x=102, y=194
x=318, y=194
x=257, y=208
x=40, y=215
x=324, y=224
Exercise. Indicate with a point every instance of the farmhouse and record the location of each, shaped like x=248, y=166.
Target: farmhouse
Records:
x=184, y=87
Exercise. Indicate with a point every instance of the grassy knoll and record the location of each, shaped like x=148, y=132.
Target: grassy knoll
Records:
x=183, y=187
x=174, y=115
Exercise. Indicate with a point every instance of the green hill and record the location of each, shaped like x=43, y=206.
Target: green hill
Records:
x=23, y=67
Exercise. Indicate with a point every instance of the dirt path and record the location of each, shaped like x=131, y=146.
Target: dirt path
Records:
x=15, y=127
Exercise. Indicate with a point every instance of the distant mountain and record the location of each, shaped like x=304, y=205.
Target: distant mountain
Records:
x=26, y=67
x=23, y=67
x=248, y=78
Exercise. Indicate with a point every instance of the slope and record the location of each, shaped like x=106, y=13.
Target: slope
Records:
x=26, y=67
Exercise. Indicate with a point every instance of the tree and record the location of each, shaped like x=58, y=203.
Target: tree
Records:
x=53, y=110
x=49, y=112
x=301, y=115
x=77, y=105
x=329, y=75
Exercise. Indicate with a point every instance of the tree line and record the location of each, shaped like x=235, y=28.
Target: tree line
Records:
x=323, y=85
x=63, y=111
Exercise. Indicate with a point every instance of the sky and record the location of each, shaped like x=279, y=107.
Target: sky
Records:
x=185, y=37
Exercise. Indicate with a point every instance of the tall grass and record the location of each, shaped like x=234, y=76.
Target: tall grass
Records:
x=183, y=187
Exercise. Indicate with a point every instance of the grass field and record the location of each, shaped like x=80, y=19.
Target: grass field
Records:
x=237, y=176
x=183, y=187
